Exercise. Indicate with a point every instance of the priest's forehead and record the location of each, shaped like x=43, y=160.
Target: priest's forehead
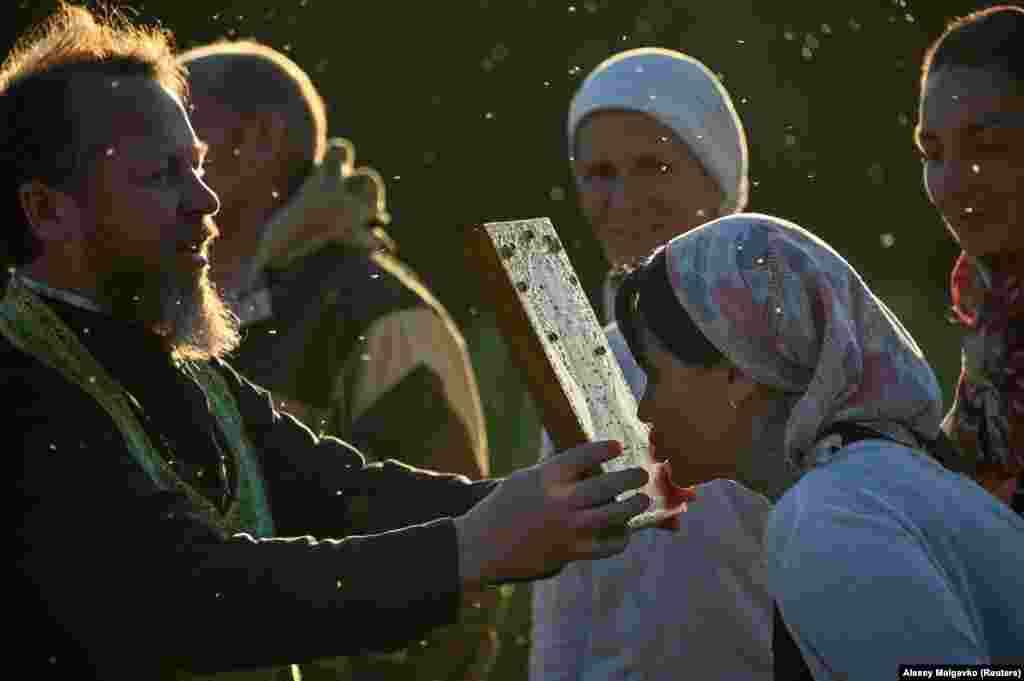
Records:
x=132, y=114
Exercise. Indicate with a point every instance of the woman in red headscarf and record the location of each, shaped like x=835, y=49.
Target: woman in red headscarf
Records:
x=971, y=136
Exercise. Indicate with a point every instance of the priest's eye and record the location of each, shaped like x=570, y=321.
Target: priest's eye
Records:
x=601, y=171
x=166, y=172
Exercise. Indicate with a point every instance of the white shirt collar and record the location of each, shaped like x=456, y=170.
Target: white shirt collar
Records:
x=63, y=295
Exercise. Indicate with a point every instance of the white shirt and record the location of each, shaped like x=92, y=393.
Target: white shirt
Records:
x=883, y=557
x=691, y=604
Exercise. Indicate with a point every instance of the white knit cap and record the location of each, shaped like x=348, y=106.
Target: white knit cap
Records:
x=680, y=93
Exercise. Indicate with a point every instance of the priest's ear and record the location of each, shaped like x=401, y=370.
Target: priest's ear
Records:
x=52, y=215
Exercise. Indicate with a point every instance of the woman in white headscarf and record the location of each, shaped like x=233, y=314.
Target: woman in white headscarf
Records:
x=657, y=149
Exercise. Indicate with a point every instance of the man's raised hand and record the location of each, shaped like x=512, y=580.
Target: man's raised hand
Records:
x=338, y=202
x=540, y=518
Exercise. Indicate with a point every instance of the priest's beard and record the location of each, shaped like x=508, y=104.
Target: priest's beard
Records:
x=180, y=304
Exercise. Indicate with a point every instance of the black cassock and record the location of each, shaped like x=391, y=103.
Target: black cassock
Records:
x=118, y=579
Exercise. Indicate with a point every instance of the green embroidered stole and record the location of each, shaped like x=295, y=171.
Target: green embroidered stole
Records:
x=32, y=327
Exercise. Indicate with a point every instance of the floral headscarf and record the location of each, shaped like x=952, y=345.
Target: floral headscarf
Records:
x=988, y=415
x=794, y=315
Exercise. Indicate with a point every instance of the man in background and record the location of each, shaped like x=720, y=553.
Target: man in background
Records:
x=346, y=337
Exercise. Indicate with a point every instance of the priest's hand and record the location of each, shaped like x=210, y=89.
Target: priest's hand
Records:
x=540, y=518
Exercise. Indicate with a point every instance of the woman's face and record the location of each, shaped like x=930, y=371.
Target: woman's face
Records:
x=971, y=137
x=639, y=185
x=692, y=423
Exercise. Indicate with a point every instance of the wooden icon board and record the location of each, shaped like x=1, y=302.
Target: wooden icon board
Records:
x=554, y=336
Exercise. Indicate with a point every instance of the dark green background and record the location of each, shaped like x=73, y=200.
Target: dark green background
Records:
x=461, y=105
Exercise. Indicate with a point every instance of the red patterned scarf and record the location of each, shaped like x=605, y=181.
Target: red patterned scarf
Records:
x=987, y=420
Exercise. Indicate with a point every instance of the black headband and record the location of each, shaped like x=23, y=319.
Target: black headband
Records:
x=647, y=292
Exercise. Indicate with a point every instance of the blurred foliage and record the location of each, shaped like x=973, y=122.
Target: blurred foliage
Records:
x=461, y=105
